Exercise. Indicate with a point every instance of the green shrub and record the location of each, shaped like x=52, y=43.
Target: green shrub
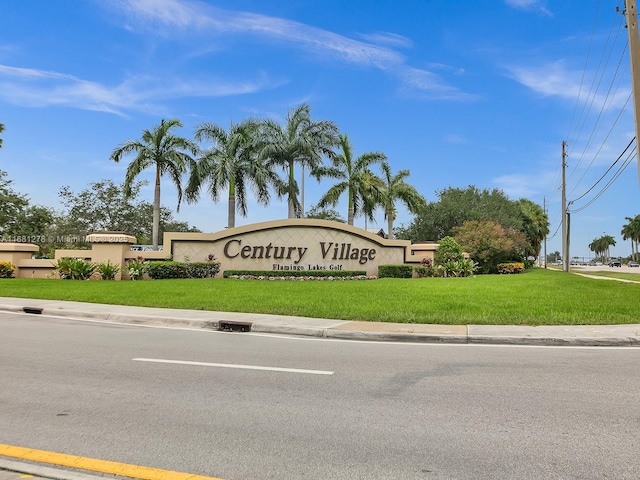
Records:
x=424, y=272
x=511, y=267
x=426, y=268
x=159, y=270
x=108, y=270
x=69, y=268
x=395, y=271
x=203, y=269
x=136, y=268
x=458, y=268
x=6, y=269
x=448, y=251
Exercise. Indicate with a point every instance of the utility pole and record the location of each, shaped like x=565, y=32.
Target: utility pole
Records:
x=565, y=229
x=634, y=54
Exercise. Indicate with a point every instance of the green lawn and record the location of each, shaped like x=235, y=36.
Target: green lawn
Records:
x=537, y=297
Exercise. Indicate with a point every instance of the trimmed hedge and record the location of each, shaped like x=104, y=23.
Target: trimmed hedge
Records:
x=511, y=267
x=424, y=272
x=295, y=273
x=395, y=271
x=159, y=270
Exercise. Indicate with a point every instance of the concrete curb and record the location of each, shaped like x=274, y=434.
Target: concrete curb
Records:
x=45, y=472
x=261, y=325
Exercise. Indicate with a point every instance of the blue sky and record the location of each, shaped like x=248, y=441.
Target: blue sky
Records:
x=462, y=93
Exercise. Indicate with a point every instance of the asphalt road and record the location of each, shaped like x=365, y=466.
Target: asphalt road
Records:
x=294, y=408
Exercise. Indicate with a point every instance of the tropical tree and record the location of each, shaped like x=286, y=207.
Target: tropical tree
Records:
x=1, y=130
x=167, y=153
x=631, y=231
x=102, y=205
x=355, y=177
x=302, y=142
x=231, y=163
x=456, y=206
x=595, y=246
x=600, y=246
x=608, y=242
x=12, y=204
x=489, y=243
x=535, y=225
x=395, y=189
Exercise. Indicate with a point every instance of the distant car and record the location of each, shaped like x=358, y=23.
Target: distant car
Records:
x=633, y=264
x=614, y=263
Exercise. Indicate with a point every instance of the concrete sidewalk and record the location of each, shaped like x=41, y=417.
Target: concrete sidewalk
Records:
x=579, y=335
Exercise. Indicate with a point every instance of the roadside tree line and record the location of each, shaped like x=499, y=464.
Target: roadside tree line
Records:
x=261, y=156
x=489, y=226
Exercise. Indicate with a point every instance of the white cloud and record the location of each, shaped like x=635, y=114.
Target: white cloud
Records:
x=534, y=5
x=455, y=138
x=522, y=185
x=194, y=16
x=387, y=38
x=39, y=88
x=429, y=85
x=555, y=79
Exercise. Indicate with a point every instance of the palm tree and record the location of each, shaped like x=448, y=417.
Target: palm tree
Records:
x=232, y=162
x=169, y=154
x=1, y=130
x=607, y=242
x=601, y=246
x=356, y=178
x=535, y=225
x=631, y=231
x=594, y=246
x=395, y=189
x=301, y=141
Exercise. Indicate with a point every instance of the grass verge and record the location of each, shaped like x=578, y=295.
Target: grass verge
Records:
x=537, y=297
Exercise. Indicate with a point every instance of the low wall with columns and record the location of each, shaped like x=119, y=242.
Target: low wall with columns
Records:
x=300, y=244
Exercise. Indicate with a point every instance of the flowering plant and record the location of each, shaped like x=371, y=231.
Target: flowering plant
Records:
x=136, y=268
x=6, y=269
x=301, y=278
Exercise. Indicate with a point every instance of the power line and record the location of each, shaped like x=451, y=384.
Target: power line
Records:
x=615, y=176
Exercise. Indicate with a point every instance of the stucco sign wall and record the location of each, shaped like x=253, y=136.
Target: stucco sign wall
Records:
x=300, y=245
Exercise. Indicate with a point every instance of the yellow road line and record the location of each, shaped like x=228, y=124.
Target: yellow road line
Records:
x=95, y=465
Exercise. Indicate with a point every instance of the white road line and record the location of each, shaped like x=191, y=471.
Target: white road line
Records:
x=231, y=365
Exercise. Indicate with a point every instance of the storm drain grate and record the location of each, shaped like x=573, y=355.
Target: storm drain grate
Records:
x=36, y=310
x=234, y=326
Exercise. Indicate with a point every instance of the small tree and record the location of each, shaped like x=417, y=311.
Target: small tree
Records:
x=449, y=259
x=448, y=251
x=489, y=243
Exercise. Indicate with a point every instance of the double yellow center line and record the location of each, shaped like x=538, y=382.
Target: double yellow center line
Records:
x=96, y=465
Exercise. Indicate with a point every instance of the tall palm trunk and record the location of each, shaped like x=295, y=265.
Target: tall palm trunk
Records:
x=390, y=224
x=155, y=228
x=292, y=193
x=231, y=215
